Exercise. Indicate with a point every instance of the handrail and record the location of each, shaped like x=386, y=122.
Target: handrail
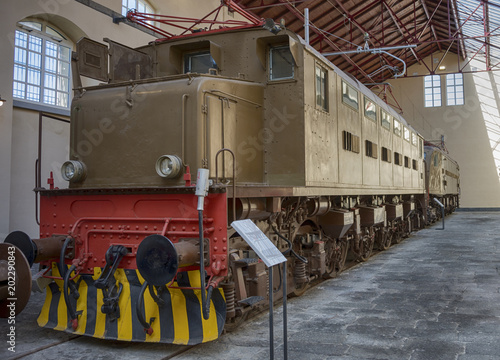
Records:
x=234, y=176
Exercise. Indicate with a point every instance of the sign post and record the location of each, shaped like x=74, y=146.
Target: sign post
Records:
x=271, y=256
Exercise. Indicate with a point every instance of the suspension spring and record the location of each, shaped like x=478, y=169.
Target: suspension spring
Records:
x=229, y=294
x=300, y=272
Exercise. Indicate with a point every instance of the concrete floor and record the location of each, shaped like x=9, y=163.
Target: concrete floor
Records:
x=434, y=296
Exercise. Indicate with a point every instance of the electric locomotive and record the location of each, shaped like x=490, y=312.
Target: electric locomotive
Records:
x=184, y=136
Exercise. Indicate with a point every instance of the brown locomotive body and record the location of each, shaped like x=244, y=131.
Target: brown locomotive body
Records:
x=321, y=165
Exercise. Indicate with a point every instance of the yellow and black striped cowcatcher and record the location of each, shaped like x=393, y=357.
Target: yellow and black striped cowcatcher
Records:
x=178, y=321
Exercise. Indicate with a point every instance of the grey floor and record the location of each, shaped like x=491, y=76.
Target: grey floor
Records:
x=434, y=296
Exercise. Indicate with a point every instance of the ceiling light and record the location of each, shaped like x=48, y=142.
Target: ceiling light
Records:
x=2, y=100
x=442, y=67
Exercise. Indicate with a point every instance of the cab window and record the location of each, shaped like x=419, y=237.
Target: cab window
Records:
x=199, y=62
x=281, y=64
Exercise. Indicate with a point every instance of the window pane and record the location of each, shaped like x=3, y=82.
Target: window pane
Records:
x=131, y=4
x=124, y=11
x=141, y=7
x=33, y=93
x=199, y=63
x=62, y=99
x=19, y=90
x=282, y=64
x=32, y=25
x=62, y=83
x=34, y=60
x=50, y=49
x=33, y=77
x=49, y=97
x=19, y=73
x=63, y=68
x=50, y=81
x=35, y=43
x=50, y=64
x=20, y=56
x=21, y=39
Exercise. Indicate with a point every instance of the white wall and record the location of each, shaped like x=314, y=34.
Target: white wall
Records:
x=470, y=131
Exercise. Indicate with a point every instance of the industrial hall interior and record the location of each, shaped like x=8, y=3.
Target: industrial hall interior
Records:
x=250, y=179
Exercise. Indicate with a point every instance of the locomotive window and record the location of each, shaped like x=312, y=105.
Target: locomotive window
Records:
x=397, y=127
x=386, y=154
x=436, y=160
x=281, y=63
x=407, y=134
x=349, y=95
x=414, y=139
x=199, y=62
x=415, y=164
x=407, y=162
x=350, y=142
x=420, y=147
x=371, y=149
x=370, y=109
x=386, y=120
x=397, y=159
x=321, y=88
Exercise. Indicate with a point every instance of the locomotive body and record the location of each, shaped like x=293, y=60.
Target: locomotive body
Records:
x=316, y=160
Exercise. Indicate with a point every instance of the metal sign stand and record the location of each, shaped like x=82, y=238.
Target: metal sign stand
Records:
x=271, y=256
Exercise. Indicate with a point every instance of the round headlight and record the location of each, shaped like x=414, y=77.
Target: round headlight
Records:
x=168, y=166
x=73, y=171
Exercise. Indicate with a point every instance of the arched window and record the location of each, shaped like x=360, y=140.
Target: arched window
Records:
x=42, y=59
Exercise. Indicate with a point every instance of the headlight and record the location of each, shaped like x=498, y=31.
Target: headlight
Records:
x=168, y=166
x=73, y=171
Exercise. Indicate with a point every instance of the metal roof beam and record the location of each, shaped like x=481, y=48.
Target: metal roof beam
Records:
x=429, y=20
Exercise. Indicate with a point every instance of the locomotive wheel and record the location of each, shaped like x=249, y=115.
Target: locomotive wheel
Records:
x=336, y=255
x=384, y=239
x=366, y=248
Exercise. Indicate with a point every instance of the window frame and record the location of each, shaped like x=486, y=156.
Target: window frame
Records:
x=454, y=86
x=191, y=54
x=434, y=98
x=323, y=87
x=42, y=64
x=397, y=127
x=270, y=57
x=368, y=100
x=384, y=120
x=406, y=133
x=346, y=86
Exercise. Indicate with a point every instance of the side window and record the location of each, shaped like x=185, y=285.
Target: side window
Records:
x=386, y=154
x=370, y=109
x=350, y=95
x=350, y=142
x=200, y=62
x=371, y=149
x=413, y=139
x=397, y=159
x=321, y=88
x=397, y=128
x=407, y=134
x=281, y=63
x=386, y=120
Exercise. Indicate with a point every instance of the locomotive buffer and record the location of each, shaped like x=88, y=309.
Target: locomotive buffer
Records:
x=271, y=256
